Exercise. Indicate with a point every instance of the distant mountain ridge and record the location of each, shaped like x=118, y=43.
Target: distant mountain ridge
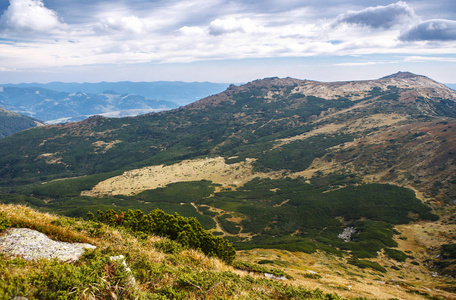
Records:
x=451, y=85
x=57, y=107
x=174, y=91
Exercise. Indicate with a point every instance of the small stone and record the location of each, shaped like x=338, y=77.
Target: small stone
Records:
x=272, y=276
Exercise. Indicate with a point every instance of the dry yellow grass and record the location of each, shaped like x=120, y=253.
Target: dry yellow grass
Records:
x=104, y=146
x=22, y=216
x=50, y=158
x=213, y=169
x=373, y=121
x=348, y=280
x=328, y=128
x=424, y=238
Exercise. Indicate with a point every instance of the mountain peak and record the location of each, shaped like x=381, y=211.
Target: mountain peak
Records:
x=355, y=90
x=402, y=75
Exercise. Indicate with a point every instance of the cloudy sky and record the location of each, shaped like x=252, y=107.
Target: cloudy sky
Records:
x=225, y=40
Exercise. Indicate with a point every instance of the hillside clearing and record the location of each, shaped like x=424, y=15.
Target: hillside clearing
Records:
x=148, y=178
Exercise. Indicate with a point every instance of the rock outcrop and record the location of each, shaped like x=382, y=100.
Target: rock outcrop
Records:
x=33, y=245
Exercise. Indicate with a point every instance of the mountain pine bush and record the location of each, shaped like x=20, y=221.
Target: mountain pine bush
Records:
x=187, y=231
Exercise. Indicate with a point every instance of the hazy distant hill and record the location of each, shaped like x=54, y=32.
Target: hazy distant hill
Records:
x=451, y=85
x=56, y=107
x=11, y=122
x=175, y=91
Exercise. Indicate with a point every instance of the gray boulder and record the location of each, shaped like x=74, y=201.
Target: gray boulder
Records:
x=33, y=245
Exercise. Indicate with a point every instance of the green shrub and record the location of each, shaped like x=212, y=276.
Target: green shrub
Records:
x=168, y=246
x=449, y=251
x=298, y=156
x=15, y=287
x=265, y=261
x=179, y=192
x=229, y=226
x=187, y=231
x=5, y=223
x=367, y=264
x=70, y=187
x=311, y=275
x=395, y=254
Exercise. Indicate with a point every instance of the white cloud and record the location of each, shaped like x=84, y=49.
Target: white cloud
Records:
x=356, y=64
x=384, y=17
x=429, y=58
x=431, y=30
x=124, y=25
x=2, y=69
x=232, y=25
x=29, y=15
x=191, y=30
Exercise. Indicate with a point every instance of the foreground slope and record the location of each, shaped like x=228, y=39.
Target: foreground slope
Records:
x=125, y=266
x=128, y=265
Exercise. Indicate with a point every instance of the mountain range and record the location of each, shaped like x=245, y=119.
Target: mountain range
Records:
x=451, y=85
x=57, y=107
x=363, y=170
x=174, y=91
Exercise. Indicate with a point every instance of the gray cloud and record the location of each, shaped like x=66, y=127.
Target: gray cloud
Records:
x=384, y=17
x=431, y=30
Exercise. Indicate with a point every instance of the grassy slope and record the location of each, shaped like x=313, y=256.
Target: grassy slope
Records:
x=163, y=270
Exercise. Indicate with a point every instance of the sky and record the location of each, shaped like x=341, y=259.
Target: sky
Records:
x=228, y=41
